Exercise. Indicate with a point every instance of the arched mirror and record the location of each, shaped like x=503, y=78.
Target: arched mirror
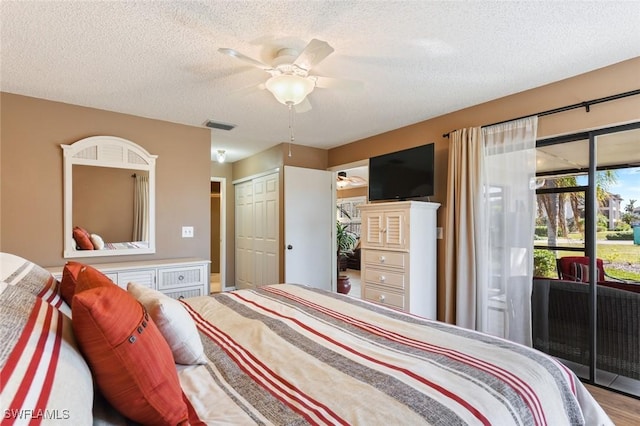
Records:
x=109, y=198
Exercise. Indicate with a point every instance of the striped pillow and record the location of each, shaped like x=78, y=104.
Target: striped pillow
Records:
x=19, y=272
x=40, y=364
x=580, y=272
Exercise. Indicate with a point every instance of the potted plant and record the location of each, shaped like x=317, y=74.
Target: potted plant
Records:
x=346, y=241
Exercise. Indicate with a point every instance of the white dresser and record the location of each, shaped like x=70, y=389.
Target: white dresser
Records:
x=177, y=278
x=398, y=255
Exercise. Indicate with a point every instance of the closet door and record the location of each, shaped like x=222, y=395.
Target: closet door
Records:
x=265, y=225
x=244, y=235
x=257, y=231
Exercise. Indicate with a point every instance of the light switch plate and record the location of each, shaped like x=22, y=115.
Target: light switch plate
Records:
x=187, y=232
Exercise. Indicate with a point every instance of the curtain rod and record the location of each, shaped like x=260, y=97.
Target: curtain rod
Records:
x=586, y=105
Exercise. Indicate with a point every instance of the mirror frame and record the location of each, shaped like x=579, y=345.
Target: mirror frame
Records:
x=114, y=152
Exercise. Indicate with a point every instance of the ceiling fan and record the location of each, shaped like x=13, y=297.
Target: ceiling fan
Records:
x=344, y=181
x=290, y=80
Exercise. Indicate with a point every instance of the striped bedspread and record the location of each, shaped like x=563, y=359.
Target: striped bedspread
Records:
x=290, y=355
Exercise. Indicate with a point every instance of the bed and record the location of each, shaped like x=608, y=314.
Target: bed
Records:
x=282, y=354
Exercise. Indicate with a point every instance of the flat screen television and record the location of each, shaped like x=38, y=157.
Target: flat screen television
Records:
x=402, y=175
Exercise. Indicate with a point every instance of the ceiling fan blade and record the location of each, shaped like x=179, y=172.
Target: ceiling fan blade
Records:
x=338, y=83
x=245, y=58
x=303, y=106
x=313, y=53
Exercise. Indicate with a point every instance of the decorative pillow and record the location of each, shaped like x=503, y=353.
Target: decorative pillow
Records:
x=131, y=362
x=96, y=241
x=174, y=323
x=82, y=238
x=77, y=277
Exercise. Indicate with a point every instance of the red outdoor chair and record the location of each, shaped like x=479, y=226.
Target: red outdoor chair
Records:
x=576, y=268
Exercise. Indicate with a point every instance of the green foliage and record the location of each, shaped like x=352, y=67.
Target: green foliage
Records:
x=346, y=239
x=623, y=226
x=544, y=264
x=541, y=231
x=620, y=236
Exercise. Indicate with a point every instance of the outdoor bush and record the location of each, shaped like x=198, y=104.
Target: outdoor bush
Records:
x=623, y=226
x=544, y=263
x=540, y=231
x=620, y=236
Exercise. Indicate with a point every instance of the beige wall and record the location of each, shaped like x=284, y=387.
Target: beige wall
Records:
x=31, y=184
x=618, y=78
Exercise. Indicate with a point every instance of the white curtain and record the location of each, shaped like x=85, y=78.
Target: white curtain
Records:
x=490, y=226
x=509, y=172
x=141, y=208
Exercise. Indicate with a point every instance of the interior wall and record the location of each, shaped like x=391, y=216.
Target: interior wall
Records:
x=31, y=187
x=617, y=78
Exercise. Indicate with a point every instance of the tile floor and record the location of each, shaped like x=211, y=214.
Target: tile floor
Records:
x=354, y=279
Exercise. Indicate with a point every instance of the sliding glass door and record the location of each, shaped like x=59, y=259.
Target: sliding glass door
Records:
x=586, y=293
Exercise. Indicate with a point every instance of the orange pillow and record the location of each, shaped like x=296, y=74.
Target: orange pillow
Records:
x=130, y=360
x=77, y=277
x=82, y=237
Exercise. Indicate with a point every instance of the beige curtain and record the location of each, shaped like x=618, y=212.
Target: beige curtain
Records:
x=463, y=192
x=489, y=224
x=141, y=208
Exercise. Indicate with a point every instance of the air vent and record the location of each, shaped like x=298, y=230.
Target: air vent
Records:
x=216, y=125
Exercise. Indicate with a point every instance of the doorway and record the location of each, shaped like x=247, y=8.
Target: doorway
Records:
x=218, y=235
x=352, y=190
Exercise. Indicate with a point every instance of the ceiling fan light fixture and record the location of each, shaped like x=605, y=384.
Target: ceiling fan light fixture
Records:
x=290, y=89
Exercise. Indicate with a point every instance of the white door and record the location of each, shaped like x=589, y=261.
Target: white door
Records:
x=309, y=227
x=256, y=235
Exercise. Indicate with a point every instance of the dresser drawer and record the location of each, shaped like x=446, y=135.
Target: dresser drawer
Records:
x=384, y=277
x=169, y=278
x=145, y=277
x=383, y=296
x=392, y=259
x=184, y=293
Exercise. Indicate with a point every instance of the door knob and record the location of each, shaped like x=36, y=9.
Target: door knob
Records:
x=289, y=247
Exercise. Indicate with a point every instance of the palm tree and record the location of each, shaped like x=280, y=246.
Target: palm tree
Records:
x=553, y=204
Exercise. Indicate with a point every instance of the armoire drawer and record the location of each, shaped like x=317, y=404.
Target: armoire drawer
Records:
x=391, y=259
x=383, y=296
x=384, y=277
x=169, y=278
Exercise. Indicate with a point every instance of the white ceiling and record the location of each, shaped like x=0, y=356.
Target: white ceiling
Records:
x=416, y=59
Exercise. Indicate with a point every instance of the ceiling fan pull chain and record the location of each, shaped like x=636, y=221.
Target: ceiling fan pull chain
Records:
x=291, y=138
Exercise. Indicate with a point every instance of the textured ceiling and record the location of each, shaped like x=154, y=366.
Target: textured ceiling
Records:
x=416, y=59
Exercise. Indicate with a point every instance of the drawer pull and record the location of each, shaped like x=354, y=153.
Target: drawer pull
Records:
x=180, y=277
x=382, y=278
x=381, y=298
x=382, y=259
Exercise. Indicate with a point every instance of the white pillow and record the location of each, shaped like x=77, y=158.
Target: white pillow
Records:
x=174, y=324
x=97, y=241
